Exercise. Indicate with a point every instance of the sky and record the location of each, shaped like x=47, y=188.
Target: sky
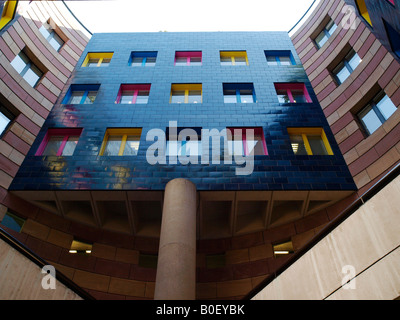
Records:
x=188, y=15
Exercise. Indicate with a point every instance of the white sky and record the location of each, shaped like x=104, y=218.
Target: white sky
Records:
x=188, y=15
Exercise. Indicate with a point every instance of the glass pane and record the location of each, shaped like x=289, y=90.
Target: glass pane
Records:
x=178, y=97
x=246, y=96
x=142, y=97
x=285, y=61
x=70, y=146
x=386, y=107
x=76, y=97
x=137, y=61
x=105, y=62
x=127, y=96
x=56, y=42
x=4, y=121
x=112, y=146
x=93, y=62
x=131, y=146
x=342, y=73
x=90, y=97
x=194, y=96
x=298, y=145
x=226, y=61
x=230, y=96
x=235, y=147
x=13, y=222
x=195, y=61
x=181, y=61
x=317, y=145
x=44, y=32
x=271, y=60
x=19, y=63
x=193, y=148
x=256, y=146
x=53, y=145
x=354, y=61
x=321, y=39
x=150, y=61
x=331, y=27
x=32, y=75
x=172, y=148
x=240, y=61
x=370, y=120
x=298, y=96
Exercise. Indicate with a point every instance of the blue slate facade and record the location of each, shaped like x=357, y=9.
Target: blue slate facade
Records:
x=279, y=170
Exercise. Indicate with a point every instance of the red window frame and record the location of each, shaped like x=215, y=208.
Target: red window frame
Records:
x=288, y=87
x=132, y=87
x=188, y=55
x=65, y=132
x=257, y=131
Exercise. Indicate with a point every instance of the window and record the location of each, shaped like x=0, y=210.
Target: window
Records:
x=59, y=142
x=80, y=247
x=246, y=141
x=346, y=67
x=133, y=94
x=5, y=118
x=362, y=8
x=239, y=93
x=81, y=94
x=188, y=58
x=280, y=58
x=391, y=1
x=376, y=112
x=184, y=142
x=325, y=34
x=393, y=37
x=51, y=36
x=24, y=66
x=7, y=12
x=13, y=221
x=143, y=59
x=97, y=59
x=292, y=93
x=233, y=58
x=309, y=141
x=186, y=93
x=121, y=142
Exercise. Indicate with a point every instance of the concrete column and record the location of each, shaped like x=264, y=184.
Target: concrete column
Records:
x=176, y=267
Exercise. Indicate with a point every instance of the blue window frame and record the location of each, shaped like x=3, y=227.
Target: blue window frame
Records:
x=239, y=93
x=142, y=58
x=279, y=57
x=81, y=94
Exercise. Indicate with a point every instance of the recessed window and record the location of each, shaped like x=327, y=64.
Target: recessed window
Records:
x=27, y=69
x=81, y=94
x=233, y=58
x=292, y=93
x=393, y=37
x=279, y=58
x=51, y=36
x=346, y=67
x=186, y=93
x=184, y=142
x=6, y=117
x=7, y=12
x=391, y=1
x=59, y=142
x=246, y=141
x=325, y=34
x=13, y=221
x=362, y=8
x=80, y=247
x=376, y=112
x=121, y=142
x=143, y=59
x=239, y=93
x=97, y=59
x=309, y=141
x=133, y=94
x=188, y=58
x=283, y=248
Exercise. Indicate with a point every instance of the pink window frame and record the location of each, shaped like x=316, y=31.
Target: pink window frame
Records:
x=257, y=131
x=66, y=133
x=132, y=87
x=188, y=55
x=293, y=86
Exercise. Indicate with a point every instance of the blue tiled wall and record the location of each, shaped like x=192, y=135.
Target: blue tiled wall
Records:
x=280, y=170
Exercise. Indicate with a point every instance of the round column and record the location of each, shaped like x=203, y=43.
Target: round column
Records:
x=176, y=267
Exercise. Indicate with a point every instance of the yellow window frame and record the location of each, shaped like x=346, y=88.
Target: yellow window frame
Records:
x=8, y=12
x=124, y=132
x=362, y=7
x=97, y=55
x=233, y=55
x=186, y=87
x=311, y=131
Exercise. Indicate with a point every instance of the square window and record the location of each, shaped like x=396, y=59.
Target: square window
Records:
x=185, y=142
x=142, y=58
x=59, y=142
x=309, y=141
x=97, y=59
x=292, y=93
x=81, y=94
x=325, y=34
x=279, y=57
x=234, y=58
x=29, y=71
x=239, y=93
x=6, y=117
x=133, y=94
x=121, y=142
x=246, y=141
x=188, y=58
x=51, y=36
x=186, y=93
x=346, y=67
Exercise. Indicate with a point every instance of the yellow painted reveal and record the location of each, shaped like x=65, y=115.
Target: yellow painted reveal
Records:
x=97, y=55
x=8, y=13
x=233, y=55
x=124, y=132
x=311, y=131
x=362, y=7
